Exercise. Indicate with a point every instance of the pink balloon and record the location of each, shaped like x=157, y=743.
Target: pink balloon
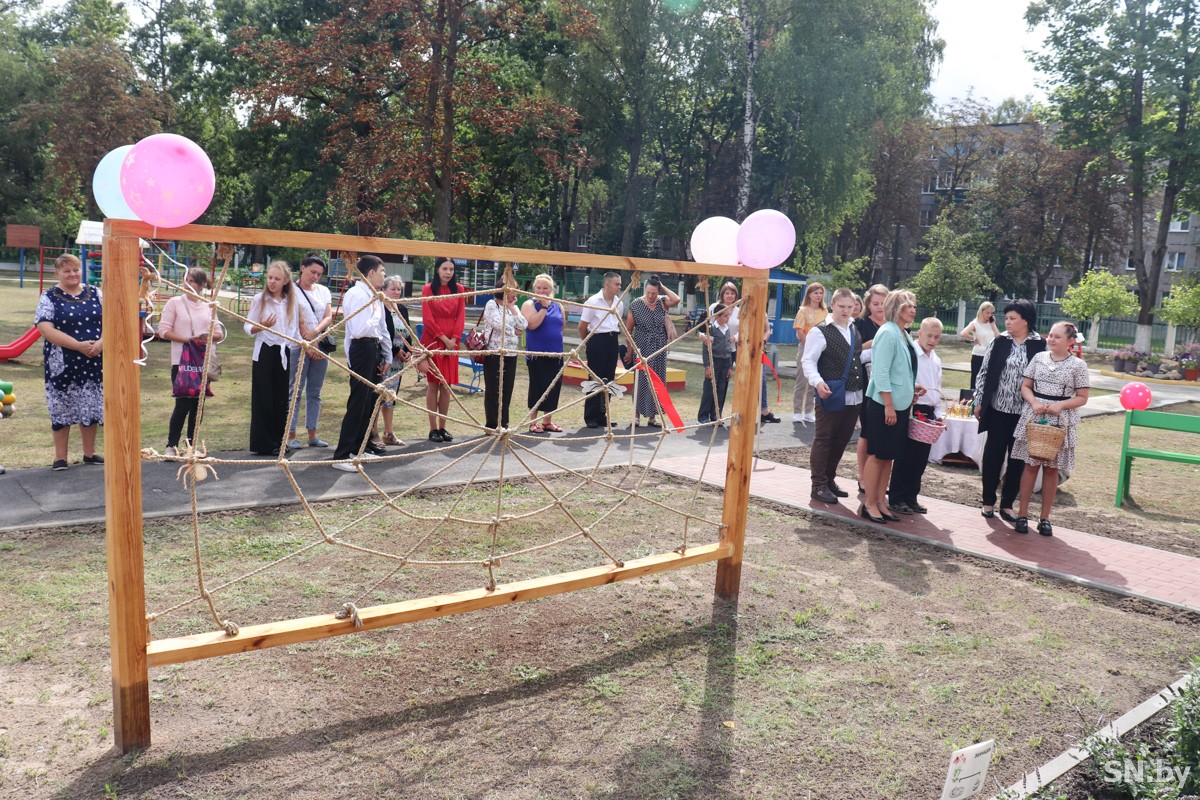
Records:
x=765, y=239
x=167, y=180
x=1135, y=396
x=714, y=241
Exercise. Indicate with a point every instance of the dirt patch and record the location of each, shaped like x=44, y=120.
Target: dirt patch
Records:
x=846, y=649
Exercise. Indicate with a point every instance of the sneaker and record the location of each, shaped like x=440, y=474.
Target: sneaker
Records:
x=318, y=443
x=917, y=507
x=171, y=452
x=367, y=455
x=838, y=491
x=810, y=417
x=344, y=467
x=59, y=465
x=294, y=444
x=769, y=417
x=374, y=449
x=900, y=508
x=96, y=459
x=795, y=418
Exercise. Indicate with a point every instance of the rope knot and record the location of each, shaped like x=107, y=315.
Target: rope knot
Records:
x=231, y=627
x=350, y=611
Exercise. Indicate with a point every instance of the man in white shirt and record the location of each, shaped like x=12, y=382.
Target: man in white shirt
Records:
x=833, y=353
x=600, y=317
x=909, y=468
x=366, y=332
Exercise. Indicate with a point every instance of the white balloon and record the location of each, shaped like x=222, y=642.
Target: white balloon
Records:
x=714, y=241
x=106, y=185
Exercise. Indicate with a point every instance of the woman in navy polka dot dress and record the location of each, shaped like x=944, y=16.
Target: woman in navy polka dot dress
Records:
x=68, y=315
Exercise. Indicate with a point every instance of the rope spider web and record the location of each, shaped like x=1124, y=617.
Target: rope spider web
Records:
x=500, y=456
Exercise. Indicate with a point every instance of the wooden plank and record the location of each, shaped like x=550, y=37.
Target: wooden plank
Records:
x=258, y=637
x=122, y=493
x=746, y=404
x=373, y=244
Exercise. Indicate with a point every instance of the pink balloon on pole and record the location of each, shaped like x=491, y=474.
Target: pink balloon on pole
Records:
x=714, y=241
x=1135, y=396
x=167, y=180
x=765, y=239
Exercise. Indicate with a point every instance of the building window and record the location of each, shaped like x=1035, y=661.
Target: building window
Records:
x=928, y=217
x=1176, y=261
x=945, y=179
x=583, y=241
x=1054, y=294
x=1129, y=265
x=930, y=184
x=1181, y=224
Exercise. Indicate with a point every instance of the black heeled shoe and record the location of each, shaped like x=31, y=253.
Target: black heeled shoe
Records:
x=986, y=514
x=862, y=512
x=1008, y=516
x=889, y=517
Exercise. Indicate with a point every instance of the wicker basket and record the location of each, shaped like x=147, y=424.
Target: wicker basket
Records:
x=1045, y=440
x=927, y=432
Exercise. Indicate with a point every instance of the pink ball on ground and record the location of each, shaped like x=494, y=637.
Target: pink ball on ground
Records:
x=1135, y=396
x=167, y=180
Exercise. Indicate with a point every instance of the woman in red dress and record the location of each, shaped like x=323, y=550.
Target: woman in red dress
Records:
x=443, y=320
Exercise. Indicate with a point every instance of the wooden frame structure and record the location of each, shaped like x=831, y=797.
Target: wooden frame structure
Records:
x=133, y=652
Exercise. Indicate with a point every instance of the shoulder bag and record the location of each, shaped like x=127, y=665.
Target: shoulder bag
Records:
x=476, y=341
x=214, y=364
x=327, y=343
x=837, y=388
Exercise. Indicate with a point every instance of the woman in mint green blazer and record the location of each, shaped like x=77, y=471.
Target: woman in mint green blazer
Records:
x=890, y=395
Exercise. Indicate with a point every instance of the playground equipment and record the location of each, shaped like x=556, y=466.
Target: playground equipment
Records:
x=1175, y=423
x=133, y=650
x=8, y=352
x=7, y=399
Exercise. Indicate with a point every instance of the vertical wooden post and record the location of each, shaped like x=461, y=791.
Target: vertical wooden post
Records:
x=128, y=633
x=746, y=404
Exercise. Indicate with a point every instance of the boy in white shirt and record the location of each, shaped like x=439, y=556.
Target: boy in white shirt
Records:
x=909, y=468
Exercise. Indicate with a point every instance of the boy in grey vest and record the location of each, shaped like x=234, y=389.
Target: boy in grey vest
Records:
x=717, y=367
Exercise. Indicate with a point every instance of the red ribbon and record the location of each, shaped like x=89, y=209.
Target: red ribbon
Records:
x=664, y=397
x=778, y=383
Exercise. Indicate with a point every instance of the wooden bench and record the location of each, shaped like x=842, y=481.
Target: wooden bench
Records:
x=1176, y=423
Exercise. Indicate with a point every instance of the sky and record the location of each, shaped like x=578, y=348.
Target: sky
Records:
x=986, y=42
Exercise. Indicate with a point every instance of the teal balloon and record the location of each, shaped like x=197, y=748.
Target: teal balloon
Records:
x=106, y=185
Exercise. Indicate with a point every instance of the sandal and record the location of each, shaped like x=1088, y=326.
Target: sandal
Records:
x=537, y=427
x=550, y=427
x=390, y=438
x=653, y=424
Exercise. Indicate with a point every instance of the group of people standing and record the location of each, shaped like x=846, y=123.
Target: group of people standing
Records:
x=871, y=372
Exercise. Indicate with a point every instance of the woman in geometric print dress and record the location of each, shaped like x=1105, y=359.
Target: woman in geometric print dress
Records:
x=1055, y=387
x=68, y=316
x=647, y=321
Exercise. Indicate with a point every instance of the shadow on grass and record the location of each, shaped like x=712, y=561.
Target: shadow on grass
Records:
x=697, y=769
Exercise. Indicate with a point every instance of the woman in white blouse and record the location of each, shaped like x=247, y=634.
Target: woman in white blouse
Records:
x=502, y=324
x=276, y=319
x=980, y=332
x=316, y=298
x=186, y=318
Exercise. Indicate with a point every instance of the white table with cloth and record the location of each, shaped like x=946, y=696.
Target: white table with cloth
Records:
x=961, y=436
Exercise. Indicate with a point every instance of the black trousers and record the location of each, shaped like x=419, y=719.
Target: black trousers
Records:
x=544, y=372
x=268, y=400
x=601, y=359
x=910, y=466
x=976, y=365
x=185, y=409
x=998, y=449
x=712, y=396
x=497, y=398
x=360, y=406
x=830, y=437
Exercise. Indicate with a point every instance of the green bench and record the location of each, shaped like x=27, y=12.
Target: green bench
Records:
x=1177, y=423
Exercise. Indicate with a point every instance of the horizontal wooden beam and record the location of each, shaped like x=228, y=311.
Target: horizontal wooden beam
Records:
x=259, y=637
x=373, y=244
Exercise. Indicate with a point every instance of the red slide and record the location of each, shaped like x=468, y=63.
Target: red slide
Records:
x=14, y=350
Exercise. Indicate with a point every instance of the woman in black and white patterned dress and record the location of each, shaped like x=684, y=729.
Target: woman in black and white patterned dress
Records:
x=647, y=322
x=1055, y=387
x=69, y=316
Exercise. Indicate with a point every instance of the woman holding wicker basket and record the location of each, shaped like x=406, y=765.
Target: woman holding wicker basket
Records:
x=1055, y=387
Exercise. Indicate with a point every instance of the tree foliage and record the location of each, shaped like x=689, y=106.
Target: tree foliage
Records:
x=954, y=271
x=1100, y=294
x=1182, y=305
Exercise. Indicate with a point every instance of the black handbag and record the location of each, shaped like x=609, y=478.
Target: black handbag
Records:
x=837, y=388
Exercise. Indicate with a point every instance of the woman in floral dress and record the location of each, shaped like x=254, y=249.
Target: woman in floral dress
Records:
x=1055, y=387
x=68, y=316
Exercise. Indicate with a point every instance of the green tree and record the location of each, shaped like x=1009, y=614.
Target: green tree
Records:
x=1125, y=76
x=1100, y=294
x=1182, y=305
x=954, y=271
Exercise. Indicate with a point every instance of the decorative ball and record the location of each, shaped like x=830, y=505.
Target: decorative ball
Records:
x=1135, y=396
x=9, y=399
x=7, y=410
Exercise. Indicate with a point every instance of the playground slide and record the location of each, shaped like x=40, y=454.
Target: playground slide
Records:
x=14, y=350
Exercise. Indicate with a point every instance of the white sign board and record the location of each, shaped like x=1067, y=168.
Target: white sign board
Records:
x=968, y=770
